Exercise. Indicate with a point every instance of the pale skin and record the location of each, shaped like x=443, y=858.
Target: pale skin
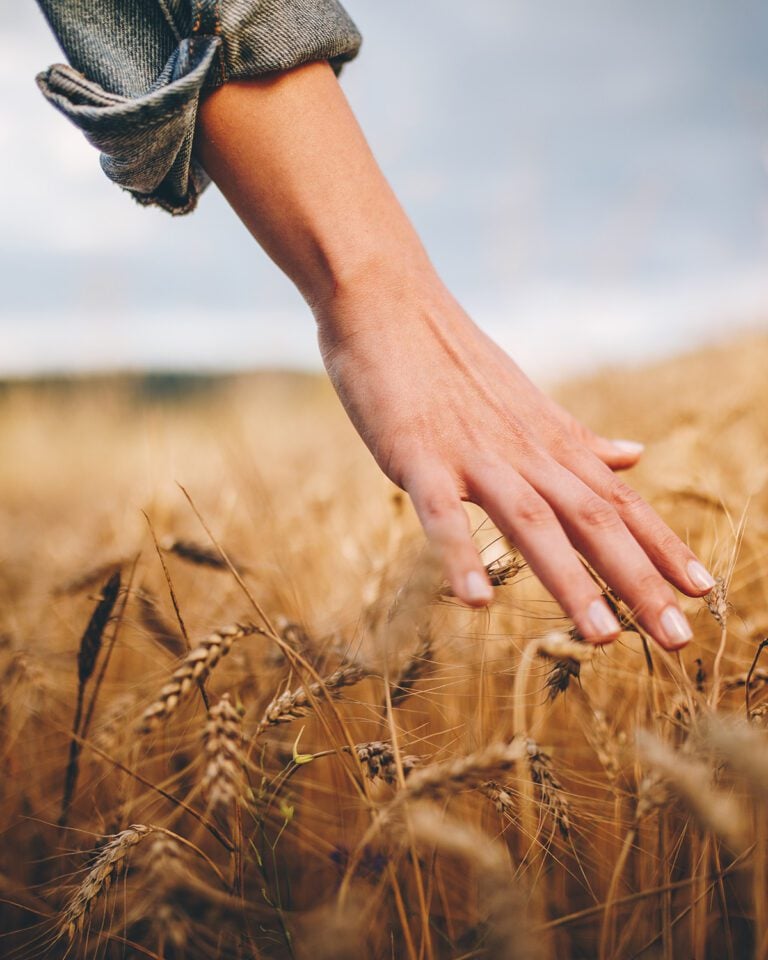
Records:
x=448, y=416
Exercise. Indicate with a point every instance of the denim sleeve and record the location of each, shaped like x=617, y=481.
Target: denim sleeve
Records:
x=137, y=69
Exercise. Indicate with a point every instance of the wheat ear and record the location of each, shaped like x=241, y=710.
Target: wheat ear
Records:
x=197, y=665
x=467, y=772
x=99, y=877
x=416, y=668
x=551, y=791
x=298, y=703
x=224, y=781
x=378, y=759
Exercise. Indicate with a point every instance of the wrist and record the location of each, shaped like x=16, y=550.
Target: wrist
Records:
x=355, y=288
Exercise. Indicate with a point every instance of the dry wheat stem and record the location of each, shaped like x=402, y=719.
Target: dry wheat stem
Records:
x=171, y=589
x=197, y=665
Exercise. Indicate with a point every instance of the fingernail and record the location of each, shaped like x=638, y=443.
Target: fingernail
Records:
x=700, y=576
x=676, y=628
x=629, y=446
x=603, y=621
x=477, y=587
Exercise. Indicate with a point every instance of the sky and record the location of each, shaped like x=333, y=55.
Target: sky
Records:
x=589, y=176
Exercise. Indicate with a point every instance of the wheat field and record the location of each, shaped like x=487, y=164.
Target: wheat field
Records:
x=243, y=717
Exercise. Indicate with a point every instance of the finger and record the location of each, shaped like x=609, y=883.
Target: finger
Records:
x=616, y=454
x=673, y=558
x=438, y=505
x=529, y=522
x=598, y=532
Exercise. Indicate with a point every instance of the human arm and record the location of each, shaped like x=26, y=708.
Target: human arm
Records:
x=447, y=415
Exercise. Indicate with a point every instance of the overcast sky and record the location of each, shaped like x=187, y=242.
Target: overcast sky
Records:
x=590, y=176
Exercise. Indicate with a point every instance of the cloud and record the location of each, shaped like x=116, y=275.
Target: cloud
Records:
x=609, y=150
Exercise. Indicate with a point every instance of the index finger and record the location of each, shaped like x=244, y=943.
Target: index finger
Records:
x=676, y=562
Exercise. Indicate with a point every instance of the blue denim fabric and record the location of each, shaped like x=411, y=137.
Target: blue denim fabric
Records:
x=138, y=69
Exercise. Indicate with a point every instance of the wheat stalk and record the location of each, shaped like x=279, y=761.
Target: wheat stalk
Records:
x=606, y=745
x=506, y=918
x=293, y=704
x=561, y=646
x=164, y=869
x=90, y=577
x=467, y=772
x=551, y=791
x=416, y=667
x=717, y=601
x=99, y=877
x=164, y=633
x=499, y=572
x=199, y=554
x=378, y=758
x=743, y=749
x=560, y=675
x=111, y=726
x=87, y=656
x=499, y=796
x=197, y=665
x=691, y=781
x=224, y=781
x=756, y=678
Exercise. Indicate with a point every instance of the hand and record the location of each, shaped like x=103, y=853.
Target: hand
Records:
x=450, y=417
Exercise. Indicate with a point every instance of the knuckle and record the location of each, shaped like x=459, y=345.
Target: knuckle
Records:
x=567, y=449
x=652, y=589
x=561, y=436
x=532, y=511
x=669, y=544
x=436, y=507
x=581, y=433
x=596, y=512
x=624, y=498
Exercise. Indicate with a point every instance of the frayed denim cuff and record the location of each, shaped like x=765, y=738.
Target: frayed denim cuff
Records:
x=145, y=140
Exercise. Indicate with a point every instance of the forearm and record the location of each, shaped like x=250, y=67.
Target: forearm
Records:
x=289, y=155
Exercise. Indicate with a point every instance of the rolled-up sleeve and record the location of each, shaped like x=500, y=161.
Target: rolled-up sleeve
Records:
x=137, y=70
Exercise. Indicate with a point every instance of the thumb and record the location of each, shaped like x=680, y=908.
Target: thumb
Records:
x=617, y=454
